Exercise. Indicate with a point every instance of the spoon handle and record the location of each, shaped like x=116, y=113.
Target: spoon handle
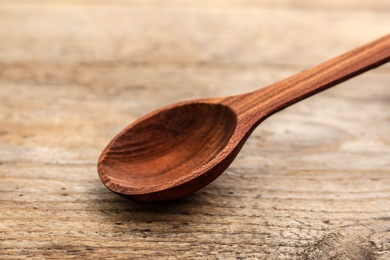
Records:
x=264, y=102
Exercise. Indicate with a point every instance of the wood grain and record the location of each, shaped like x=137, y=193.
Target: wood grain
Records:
x=313, y=181
x=260, y=104
x=179, y=149
x=166, y=154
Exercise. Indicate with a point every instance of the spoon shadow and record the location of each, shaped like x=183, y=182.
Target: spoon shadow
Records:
x=122, y=211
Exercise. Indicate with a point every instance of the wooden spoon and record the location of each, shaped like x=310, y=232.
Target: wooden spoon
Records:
x=181, y=148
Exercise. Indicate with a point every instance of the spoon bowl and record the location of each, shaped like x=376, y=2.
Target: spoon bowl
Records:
x=153, y=153
x=181, y=148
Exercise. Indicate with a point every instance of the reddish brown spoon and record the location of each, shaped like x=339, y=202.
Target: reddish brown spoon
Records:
x=181, y=148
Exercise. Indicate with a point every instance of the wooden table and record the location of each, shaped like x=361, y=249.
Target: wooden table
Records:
x=313, y=182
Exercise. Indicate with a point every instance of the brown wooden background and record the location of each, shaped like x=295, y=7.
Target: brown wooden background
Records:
x=313, y=182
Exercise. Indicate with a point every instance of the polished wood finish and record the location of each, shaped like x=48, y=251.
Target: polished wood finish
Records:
x=312, y=182
x=181, y=148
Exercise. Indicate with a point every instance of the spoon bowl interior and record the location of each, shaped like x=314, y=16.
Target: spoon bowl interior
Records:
x=166, y=148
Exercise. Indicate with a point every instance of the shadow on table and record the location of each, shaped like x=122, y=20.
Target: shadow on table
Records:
x=120, y=210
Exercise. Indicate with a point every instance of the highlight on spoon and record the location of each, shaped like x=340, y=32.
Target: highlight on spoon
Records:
x=165, y=149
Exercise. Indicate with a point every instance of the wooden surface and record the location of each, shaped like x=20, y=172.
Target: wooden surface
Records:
x=313, y=182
